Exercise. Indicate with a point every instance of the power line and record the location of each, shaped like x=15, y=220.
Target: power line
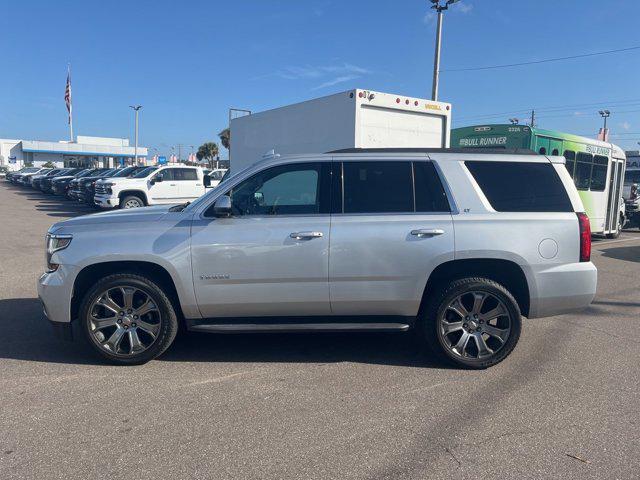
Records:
x=547, y=60
x=558, y=108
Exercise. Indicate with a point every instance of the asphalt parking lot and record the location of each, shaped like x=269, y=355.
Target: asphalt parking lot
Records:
x=565, y=404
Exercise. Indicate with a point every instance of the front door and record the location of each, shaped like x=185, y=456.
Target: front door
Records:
x=271, y=257
x=395, y=226
x=165, y=191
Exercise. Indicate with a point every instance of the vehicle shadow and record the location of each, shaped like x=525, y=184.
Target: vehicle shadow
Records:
x=28, y=336
x=629, y=253
x=53, y=205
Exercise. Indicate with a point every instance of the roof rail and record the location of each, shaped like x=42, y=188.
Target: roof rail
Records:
x=504, y=151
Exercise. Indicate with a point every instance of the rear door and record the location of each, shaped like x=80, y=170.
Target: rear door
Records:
x=392, y=226
x=190, y=186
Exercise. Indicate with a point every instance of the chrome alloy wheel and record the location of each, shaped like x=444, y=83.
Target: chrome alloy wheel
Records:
x=475, y=325
x=133, y=203
x=124, y=321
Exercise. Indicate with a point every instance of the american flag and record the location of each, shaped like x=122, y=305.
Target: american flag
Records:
x=67, y=95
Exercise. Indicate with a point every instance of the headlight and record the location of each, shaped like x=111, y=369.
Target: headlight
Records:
x=55, y=243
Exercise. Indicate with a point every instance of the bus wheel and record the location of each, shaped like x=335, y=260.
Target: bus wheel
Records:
x=620, y=225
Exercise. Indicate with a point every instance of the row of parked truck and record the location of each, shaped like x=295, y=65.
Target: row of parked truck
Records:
x=127, y=187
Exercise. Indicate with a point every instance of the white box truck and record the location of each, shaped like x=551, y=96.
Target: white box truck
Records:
x=352, y=119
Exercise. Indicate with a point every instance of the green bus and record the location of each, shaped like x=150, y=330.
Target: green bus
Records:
x=597, y=168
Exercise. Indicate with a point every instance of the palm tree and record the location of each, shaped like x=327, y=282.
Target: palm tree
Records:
x=225, y=138
x=208, y=151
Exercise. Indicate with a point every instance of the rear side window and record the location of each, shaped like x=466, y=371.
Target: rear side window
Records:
x=521, y=186
x=430, y=195
x=185, y=174
x=377, y=187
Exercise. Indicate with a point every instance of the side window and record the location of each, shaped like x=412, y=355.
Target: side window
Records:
x=430, y=195
x=570, y=156
x=185, y=174
x=377, y=187
x=296, y=189
x=599, y=173
x=521, y=186
x=582, y=178
x=167, y=174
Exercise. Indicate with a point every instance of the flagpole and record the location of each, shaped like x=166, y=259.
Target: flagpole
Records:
x=70, y=104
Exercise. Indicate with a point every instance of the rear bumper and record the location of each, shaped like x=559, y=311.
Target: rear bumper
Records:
x=563, y=288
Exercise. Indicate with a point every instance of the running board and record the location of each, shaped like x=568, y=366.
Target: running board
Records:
x=300, y=327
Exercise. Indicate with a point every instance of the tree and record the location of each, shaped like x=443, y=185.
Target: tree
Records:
x=208, y=151
x=49, y=165
x=225, y=138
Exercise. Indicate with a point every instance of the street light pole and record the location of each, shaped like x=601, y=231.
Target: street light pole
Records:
x=136, y=108
x=436, y=60
x=604, y=114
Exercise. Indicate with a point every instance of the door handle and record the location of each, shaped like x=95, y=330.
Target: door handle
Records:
x=427, y=232
x=305, y=235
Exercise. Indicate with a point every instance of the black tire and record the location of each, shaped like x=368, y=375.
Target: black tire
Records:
x=436, y=309
x=131, y=199
x=167, y=320
x=620, y=225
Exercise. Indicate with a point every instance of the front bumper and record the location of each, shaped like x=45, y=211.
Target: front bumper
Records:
x=106, y=200
x=563, y=288
x=55, y=290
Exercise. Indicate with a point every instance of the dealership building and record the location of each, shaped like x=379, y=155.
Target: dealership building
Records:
x=83, y=152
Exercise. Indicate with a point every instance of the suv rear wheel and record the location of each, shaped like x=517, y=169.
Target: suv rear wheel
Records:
x=128, y=319
x=473, y=323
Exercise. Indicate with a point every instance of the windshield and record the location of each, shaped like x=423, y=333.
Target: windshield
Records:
x=110, y=173
x=84, y=173
x=30, y=170
x=144, y=172
x=124, y=172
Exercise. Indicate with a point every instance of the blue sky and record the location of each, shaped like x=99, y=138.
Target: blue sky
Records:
x=187, y=62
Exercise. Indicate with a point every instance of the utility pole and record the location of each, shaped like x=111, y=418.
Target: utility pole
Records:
x=436, y=60
x=136, y=108
x=533, y=118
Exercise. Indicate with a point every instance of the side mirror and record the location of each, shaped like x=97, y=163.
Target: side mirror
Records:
x=157, y=178
x=222, y=207
x=206, y=181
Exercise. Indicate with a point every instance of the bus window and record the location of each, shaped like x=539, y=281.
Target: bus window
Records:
x=542, y=151
x=570, y=156
x=598, y=178
x=582, y=177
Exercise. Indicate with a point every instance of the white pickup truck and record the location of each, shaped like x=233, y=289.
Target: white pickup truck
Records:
x=151, y=186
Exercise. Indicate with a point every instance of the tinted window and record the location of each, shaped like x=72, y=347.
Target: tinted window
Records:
x=377, y=187
x=598, y=178
x=185, y=174
x=582, y=177
x=632, y=176
x=295, y=189
x=570, y=156
x=521, y=186
x=145, y=172
x=430, y=195
x=167, y=174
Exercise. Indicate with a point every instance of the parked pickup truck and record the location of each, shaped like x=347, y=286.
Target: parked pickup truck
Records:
x=456, y=246
x=151, y=186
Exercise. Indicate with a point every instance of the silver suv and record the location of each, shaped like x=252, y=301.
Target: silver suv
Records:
x=455, y=246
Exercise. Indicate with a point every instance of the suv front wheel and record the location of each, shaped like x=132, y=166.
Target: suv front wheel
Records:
x=128, y=319
x=473, y=323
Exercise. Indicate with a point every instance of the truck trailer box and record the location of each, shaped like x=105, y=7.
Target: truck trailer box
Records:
x=352, y=119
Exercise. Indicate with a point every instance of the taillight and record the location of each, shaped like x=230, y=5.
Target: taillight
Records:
x=585, y=237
